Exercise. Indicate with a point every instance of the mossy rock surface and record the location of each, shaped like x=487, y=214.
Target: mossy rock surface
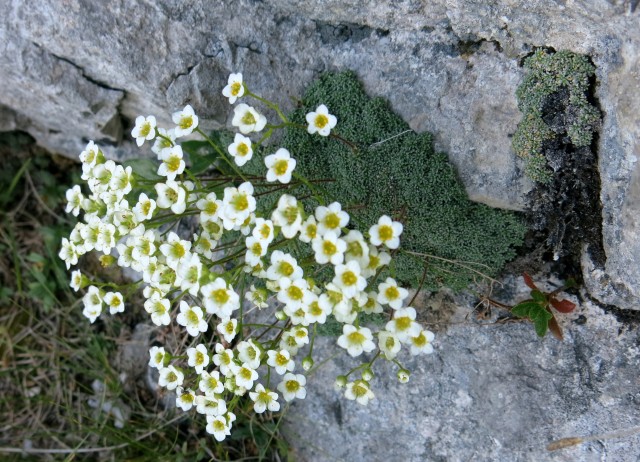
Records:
x=390, y=170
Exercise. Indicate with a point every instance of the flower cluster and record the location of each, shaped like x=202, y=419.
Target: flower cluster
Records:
x=187, y=281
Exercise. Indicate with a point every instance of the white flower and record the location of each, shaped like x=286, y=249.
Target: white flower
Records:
x=292, y=386
x=249, y=353
x=257, y=296
x=115, y=302
x=241, y=149
x=219, y=298
x=403, y=324
x=377, y=259
x=283, y=265
x=280, y=166
x=359, y=391
x=256, y=249
x=264, y=399
x=390, y=294
x=357, y=248
x=175, y=250
x=77, y=280
x=74, y=200
x=315, y=311
x=227, y=328
x=68, y=253
x=210, y=405
x=263, y=230
x=223, y=359
x=356, y=340
x=92, y=304
x=321, y=121
x=145, y=129
x=172, y=162
x=185, y=399
x=157, y=357
x=189, y=272
x=234, y=88
x=144, y=208
x=292, y=292
x=186, y=121
x=237, y=204
x=198, y=357
x=166, y=139
x=386, y=232
x=309, y=229
x=388, y=344
x=421, y=343
x=192, y=319
x=210, y=383
x=349, y=280
x=331, y=218
x=89, y=156
x=245, y=375
x=121, y=180
x=158, y=308
x=287, y=215
x=218, y=427
x=281, y=361
x=247, y=119
x=171, y=195
x=170, y=377
x=209, y=207
x=329, y=248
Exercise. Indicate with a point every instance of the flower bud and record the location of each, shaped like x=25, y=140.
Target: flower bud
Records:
x=403, y=375
x=307, y=363
x=281, y=315
x=367, y=374
x=341, y=381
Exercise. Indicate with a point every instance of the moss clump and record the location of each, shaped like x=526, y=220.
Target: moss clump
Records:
x=554, y=100
x=394, y=171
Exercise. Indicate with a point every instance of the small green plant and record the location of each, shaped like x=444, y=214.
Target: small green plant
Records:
x=554, y=101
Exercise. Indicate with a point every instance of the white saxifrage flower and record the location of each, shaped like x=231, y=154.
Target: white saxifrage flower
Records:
x=237, y=204
x=228, y=327
x=264, y=399
x=115, y=302
x=357, y=248
x=92, y=304
x=283, y=265
x=281, y=361
x=421, y=343
x=321, y=121
x=329, y=248
x=389, y=293
x=356, y=340
x=349, y=280
x=210, y=383
x=171, y=195
x=121, y=180
x=280, y=166
x=68, y=253
x=172, y=162
x=144, y=130
x=210, y=405
x=218, y=427
x=403, y=324
x=234, y=88
x=287, y=215
x=158, y=308
x=249, y=352
x=359, y=391
x=166, y=139
x=209, y=207
x=241, y=149
x=309, y=230
x=388, y=344
x=257, y=296
x=245, y=375
x=77, y=280
x=170, y=378
x=256, y=249
x=263, y=230
x=144, y=208
x=191, y=317
x=188, y=274
x=247, y=119
x=386, y=232
x=223, y=358
x=220, y=298
x=292, y=386
x=185, y=399
x=175, y=250
x=74, y=200
x=198, y=357
x=157, y=357
x=331, y=218
x=186, y=121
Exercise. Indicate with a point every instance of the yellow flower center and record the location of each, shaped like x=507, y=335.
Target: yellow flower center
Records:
x=219, y=426
x=211, y=208
x=256, y=249
x=265, y=231
x=385, y=232
x=172, y=377
x=281, y=360
x=295, y=293
x=245, y=373
x=199, y=357
x=146, y=208
x=145, y=129
x=291, y=214
x=392, y=293
x=187, y=398
x=359, y=389
x=192, y=317
x=403, y=323
x=173, y=163
x=248, y=118
x=329, y=248
x=242, y=149
x=389, y=343
x=240, y=202
x=178, y=250
x=349, y=278
x=354, y=248
x=220, y=296
x=172, y=195
x=315, y=309
x=292, y=386
x=332, y=221
x=280, y=167
x=420, y=340
x=229, y=328
x=185, y=122
x=285, y=268
x=116, y=301
x=356, y=338
x=235, y=88
x=321, y=120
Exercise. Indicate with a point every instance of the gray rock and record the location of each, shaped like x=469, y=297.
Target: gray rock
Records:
x=490, y=392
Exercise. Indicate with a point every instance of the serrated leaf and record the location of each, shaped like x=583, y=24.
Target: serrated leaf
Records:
x=538, y=296
x=146, y=168
x=541, y=324
x=524, y=309
x=563, y=306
